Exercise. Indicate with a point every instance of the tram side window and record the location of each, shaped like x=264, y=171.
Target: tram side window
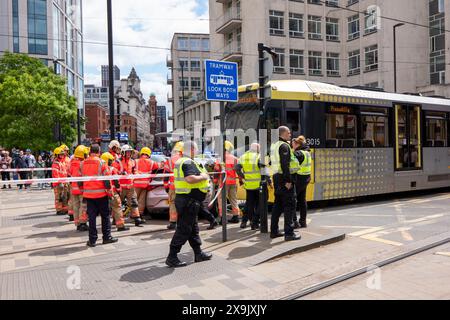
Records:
x=374, y=131
x=341, y=131
x=436, y=129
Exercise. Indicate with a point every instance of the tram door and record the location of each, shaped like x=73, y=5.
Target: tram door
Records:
x=408, y=145
x=292, y=121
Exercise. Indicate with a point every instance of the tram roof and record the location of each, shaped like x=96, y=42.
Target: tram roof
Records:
x=318, y=91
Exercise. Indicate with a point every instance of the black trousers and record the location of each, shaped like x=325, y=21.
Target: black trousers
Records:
x=23, y=176
x=187, y=225
x=6, y=177
x=284, y=203
x=251, y=207
x=206, y=214
x=301, y=185
x=95, y=207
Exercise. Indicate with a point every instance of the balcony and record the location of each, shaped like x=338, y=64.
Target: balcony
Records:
x=229, y=21
x=169, y=79
x=170, y=98
x=223, y=1
x=232, y=52
x=169, y=62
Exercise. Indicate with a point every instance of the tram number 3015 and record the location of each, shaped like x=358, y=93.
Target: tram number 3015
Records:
x=313, y=142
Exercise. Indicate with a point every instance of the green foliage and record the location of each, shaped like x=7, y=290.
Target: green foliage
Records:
x=32, y=100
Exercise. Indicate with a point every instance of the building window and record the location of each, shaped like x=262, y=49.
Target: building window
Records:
x=184, y=64
x=372, y=85
x=184, y=83
x=319, y=2
x=353, y=27
x=296, y=25
x=70, y=83
x=196, y=44
x=370, y=20
x=37, y=27
x=332, y=64
x=354, y=60
x=276, y=20
x=332, y=3
x=195, y=65
x=296, y=61
x=279, y=61
x=371, y=58
x=436, y=126
x=15, y=12
x=183, y=43
x=350, y=2
x=332, y=29
x=205, y=45
x=315, y=63
x=314, y=27
x=196, y=83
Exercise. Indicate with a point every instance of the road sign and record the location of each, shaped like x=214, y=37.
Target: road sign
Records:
x=221, y=81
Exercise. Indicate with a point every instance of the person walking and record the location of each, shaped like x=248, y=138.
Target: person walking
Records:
x=31, y=163
x=191, y=186
x=40, y=164
x=5, y=164
x=284, y=165
x=97, y=194
x=302, y=179
x=20, y=163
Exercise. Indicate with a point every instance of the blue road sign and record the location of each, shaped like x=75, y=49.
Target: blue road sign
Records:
x=221, y=81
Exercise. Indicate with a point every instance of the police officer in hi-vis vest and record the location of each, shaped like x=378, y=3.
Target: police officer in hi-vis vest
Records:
x=302, y=178
x=192, y=184
x=284, y=166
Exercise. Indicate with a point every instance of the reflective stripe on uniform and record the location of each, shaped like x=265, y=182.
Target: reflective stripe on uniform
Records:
x=294, y=166
x=183, y=187
x=305, y=167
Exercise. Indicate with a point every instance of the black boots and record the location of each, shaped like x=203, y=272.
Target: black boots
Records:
x=137, y=222
x=172, y=226
x=71, y=218
x=83, y=227
x=293, y=237
x=212, y=225
x=123, y=228
x=243, y=224
x=202, y=256
x=110, y=240
x=296, y=225
x=174, y=262
x=234, y=219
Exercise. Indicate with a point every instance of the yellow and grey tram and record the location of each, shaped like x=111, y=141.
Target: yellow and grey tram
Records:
x=363, y=142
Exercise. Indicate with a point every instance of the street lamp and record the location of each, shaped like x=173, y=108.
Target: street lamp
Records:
x=58, y=123
x=182, y=92
x=111, y=69
x=395, y=54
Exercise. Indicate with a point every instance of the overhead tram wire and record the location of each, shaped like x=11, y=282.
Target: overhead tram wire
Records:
x=217, y=53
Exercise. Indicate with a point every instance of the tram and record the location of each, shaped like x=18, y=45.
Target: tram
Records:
x=363, y=142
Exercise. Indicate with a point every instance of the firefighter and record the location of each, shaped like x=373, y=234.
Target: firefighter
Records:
x=77, y=207
x=115, y=203
x=59, y=170
x=114, y=149
x=126, y=166
x=97, y=194
x=230, y=188
x=177, y=153
x=191, y=186
x=144, y=165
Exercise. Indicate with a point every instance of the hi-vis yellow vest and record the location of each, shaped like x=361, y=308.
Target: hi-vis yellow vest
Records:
x=305, y=167
x=294, y=166
x=181, y=186
x=252, y=172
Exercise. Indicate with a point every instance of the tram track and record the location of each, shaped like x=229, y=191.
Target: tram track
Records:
x=360, y=271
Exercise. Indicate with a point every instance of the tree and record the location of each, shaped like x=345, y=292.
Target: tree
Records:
x=32, y=100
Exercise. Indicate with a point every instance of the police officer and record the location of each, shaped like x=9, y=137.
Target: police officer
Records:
x=302, y=178
x=97, y=195
x=191, y=186
x=248, y=169
x=284, y=165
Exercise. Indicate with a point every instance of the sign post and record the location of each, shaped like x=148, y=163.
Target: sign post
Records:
x=221, y=79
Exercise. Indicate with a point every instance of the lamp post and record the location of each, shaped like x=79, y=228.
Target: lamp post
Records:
x=58, y=123
x=395, y=54
x=182, y=92
x=111, y=70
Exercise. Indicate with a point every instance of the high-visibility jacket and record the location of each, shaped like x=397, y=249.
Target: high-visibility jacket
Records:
x=250, y=167
x=305, y=166
x=94, y=167
x=144, y=166
x=114, y=172
x=67, y=162
x=75, y=171
x=294, y=166
x=59, y=170
x=115, y=155
x=169, y=167
x=181, y=186
x=125, y=166
x=230, y=164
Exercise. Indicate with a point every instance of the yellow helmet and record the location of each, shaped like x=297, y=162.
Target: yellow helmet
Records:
x=229, y=146
x=87, y=150
x=80, y=152
x=64, y=147
x=107, y=157
x=146, y=151
x=58, y=151
x=179, y=146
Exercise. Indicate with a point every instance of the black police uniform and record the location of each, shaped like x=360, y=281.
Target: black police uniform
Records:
x=284, y=198
x=301, y=184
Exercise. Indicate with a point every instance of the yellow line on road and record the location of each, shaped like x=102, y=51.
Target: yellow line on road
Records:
x=347, y=227
x=446, y=254
x=374, y=238
x=366, y=231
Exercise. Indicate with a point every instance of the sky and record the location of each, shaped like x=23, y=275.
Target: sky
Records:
x=143, y=23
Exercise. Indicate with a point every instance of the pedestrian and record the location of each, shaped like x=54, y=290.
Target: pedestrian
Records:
x=230, y=188
x=40, y=164
x=248, y=169
x=126, y=166
x=169, y=183
x=59, y=170
x=20, y=163
x=31, y=162
x=5, y=164
x=97, y=195
x=48, y=164
x=191, y=187
x=302, y=179
x=284, y=166
x=144, y=165
x=77, y=205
